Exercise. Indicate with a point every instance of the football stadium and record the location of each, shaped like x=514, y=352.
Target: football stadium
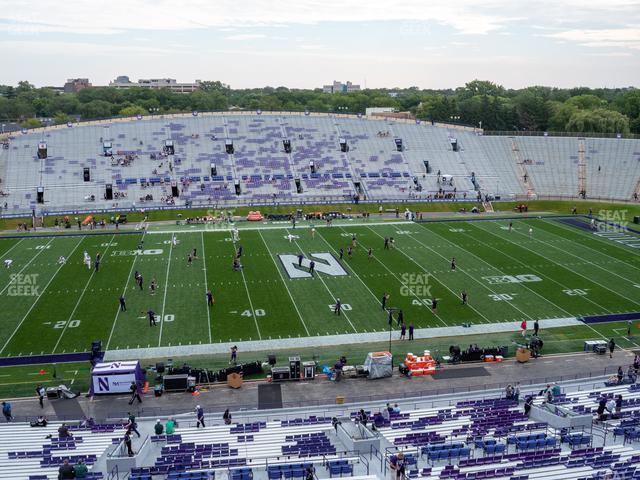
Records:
x=205, y=282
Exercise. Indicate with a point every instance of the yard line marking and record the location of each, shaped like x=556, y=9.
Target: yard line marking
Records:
x=578, y=273
x=246, y=287
x=323, y=283
x=26, y=265
x=206, y=283
x=285, y=283
x=399, y=280
x=124, y=291
x=351, y=267
x=539, y=273
x=12, y=247
x=386, y=268
x=38, y=298
x=586, y=236
x=427, y=271
x=80, y=298
x=464, y=270
x=166, y=289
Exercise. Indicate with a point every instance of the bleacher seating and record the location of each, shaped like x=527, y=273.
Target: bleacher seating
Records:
x=141, y=171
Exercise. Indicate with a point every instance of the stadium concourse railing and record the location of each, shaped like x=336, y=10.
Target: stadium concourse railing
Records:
x=326, y=406
x=533, y=133
x=312, y=200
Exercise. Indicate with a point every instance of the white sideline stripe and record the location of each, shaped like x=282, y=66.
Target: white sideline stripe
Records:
x=246, y=287
x=27, y=264
x=124, y=291
x=38, y=298
x=278, y=227
x=324, y=283
x=206, y=284
x=330, y=340
x=284, y=282
x=166, y=289
x=12, y=247
x=79, y=299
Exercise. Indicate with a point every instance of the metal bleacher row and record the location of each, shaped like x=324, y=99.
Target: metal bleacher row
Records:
x=141, y=173
x=455, y=439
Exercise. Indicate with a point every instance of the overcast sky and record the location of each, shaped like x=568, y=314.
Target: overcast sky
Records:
x=308, y=43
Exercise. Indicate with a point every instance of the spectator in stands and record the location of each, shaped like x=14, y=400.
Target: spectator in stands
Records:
x=396, y=409
x=516, y=392
x=631, y=374
x=612, y=347
x=63, y=431
x=226, y=416
x=386, y=415
x=378, y=420
x=335, y=422
x=66, y=470
x=127, y=442
x=528, y=402
x=199, y=416
x=158, y=428
x=6, y=411
x=169, y=427
x=611, y=407
x=618, y=405
x=397, y=465
x=363, y=417
x=508, y=392
x=636, y=363
x=620, y=374
x=80, y=469
x=602, y=405
x=309, y=473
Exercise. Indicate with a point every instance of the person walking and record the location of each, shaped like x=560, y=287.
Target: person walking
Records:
x=199, y=416
x=6, y=411
x=385, y=297
x=132, y=426
x=411, y=331
x=612, y=347
x=536, y=328
x=123, y=304
x=133, y=388
x=337, y=307
x=40, y=392
x=403, y=331
x=523, y=328
x=127, y=443
x=234, y=355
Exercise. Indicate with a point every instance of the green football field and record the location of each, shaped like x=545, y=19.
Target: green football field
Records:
x=558, y=271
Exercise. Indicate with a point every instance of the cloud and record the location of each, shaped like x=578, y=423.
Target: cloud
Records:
x=628, y=37
x=241, y=37
x=41, y=47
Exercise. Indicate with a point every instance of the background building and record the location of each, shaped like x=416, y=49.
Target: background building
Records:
x=339, y=87
x=74, y=85
x=123, y=82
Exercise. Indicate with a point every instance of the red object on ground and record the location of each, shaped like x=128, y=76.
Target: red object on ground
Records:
x=41, y=372
x=255, y=217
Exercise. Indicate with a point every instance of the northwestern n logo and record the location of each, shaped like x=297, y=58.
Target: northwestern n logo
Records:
x=325, y=263
x=103, y=384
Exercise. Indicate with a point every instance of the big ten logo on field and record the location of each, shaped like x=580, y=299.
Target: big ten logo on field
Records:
x=23, y=285
x=613, y=221
x=501, y=279
x=415, y=285
x=126, y=253
x=323, y=262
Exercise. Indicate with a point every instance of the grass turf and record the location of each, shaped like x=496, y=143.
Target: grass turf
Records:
x=568, y=272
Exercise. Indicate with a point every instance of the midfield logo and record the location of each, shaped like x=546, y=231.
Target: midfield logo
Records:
x=324, y=263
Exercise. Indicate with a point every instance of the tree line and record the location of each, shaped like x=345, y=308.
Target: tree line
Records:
x=478, y=103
